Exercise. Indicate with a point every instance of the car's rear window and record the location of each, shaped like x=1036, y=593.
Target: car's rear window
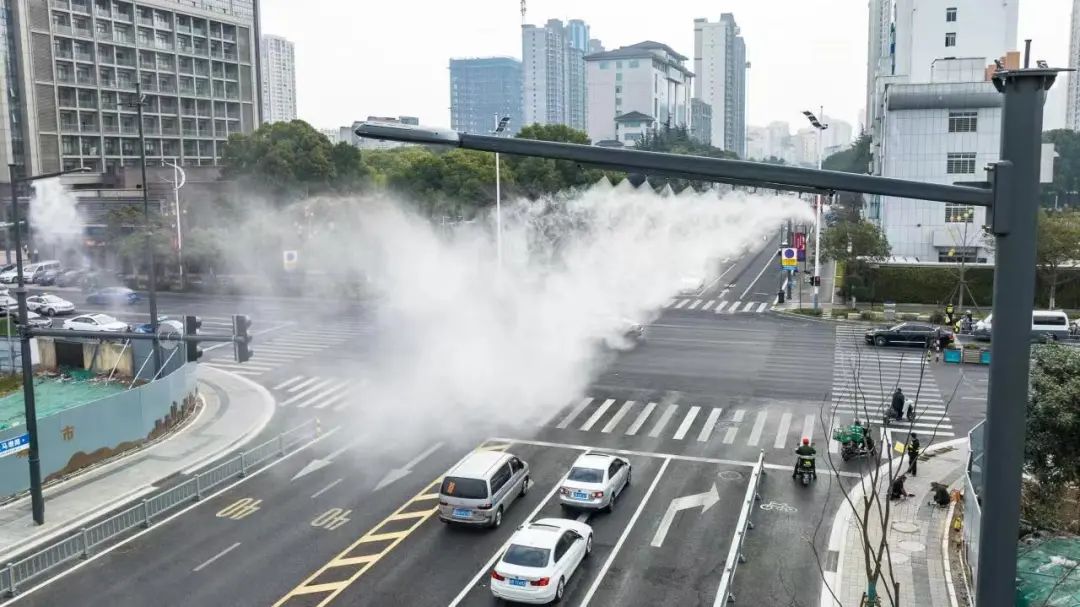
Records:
x=586, y=475
x=1053, y=320
x=526, y=556
x=465, y=488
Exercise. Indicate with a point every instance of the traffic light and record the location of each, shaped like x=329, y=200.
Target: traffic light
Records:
x=192, y=324
x=242, y=337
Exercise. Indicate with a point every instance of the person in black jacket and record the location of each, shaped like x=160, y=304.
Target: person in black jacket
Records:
x=913, y=447
x=898, y=403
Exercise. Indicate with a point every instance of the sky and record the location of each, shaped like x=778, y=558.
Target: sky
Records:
x=355, y=59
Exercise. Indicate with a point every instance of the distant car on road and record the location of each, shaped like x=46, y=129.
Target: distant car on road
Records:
x=96, y=322
x=46, y=277
x=112, y=296
x=595, y=482
x=540, y=559
x=909, y=334
x=691, y=284
x=49, y=305
x=70, y=278
x=481, y=487
x=162, y=320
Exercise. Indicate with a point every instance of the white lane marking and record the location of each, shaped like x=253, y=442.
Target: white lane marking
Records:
x=626, y=532
x=331, y=390
x=834, y=446
x=256, y=334
x=671, y=304
x=595, y=417
x=583, y=517
x=619, y=415
x=903, y=433
x=759, y=425
x=246, y=372
x=720, y=306
x=710, y=423
x=782, y=430
x=682, y=303
x=578, y=408
x=729, y=436
x=697, y=302
x=808, y=428
x=687, y=421
x=312, y=390
x=708, y=304
x=644, y=415
x=491, y=562
x=758, y=277
x=334, y=396
x=325, y=489
x=973, y=397
x=242, y=366
x=664, y=418
x=762, y=307
x=735, y=307
x=303, y=384
x=217, y=556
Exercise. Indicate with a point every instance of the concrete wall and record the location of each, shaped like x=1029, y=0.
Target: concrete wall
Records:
x=104, y=357
x=81, y=436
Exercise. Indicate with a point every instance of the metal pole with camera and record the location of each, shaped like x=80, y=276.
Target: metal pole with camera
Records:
x=138, y=103
x=37, y=500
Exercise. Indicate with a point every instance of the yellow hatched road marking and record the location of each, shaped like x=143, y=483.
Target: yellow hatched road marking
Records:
x=367, y=561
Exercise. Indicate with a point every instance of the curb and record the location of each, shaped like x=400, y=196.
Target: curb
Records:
x=948, y=556
x=842, y=519
x=268, y=401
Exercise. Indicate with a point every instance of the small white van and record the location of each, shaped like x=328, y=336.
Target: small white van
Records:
x=1043, y=323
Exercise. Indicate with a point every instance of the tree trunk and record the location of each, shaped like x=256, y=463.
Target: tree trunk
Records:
x=1053, y=288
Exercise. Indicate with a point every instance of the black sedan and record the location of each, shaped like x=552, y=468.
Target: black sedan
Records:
x=909, y=334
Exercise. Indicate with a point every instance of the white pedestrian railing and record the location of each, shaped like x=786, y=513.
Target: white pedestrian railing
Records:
x=735, y=554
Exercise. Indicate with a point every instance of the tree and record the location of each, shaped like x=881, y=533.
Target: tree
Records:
x=1058, y=244
x=125, y=229
x=677, y=140
x=536, y=177
x=1066, y=182
x=854, y=245
x=855, y=159
x=454, y=183
x=1051, y=450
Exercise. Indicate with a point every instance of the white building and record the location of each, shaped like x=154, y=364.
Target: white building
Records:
x=757, y=143
x=278, y=79
x=1072, y=100
x=647, y=77
x=333, y=134
x=720, y=70
x=837, y=137
x=553, y=72
x=944, y=131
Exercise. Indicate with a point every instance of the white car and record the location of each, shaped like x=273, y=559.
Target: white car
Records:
x=96, y=322
x=595, y=481
x=9, y=276
x=540, y=560
x=8, y=303
x=691, y=284
x=49, y=305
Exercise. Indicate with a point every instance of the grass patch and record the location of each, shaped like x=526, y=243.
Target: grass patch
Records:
x=807, y=311
x=10, y=383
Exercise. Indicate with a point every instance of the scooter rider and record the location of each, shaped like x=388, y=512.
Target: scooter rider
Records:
x=805, y=452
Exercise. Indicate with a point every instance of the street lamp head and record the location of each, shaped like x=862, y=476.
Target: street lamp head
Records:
x=407, y=133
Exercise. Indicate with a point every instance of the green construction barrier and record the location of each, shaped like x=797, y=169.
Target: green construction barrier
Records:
x=1048, y=573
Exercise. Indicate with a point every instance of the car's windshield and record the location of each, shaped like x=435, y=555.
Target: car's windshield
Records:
x=586, y=475
x=526, y=556
x=467, y=488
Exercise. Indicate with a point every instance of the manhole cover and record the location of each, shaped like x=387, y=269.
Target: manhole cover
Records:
x=905, y=527
x=730, y=475
x=910, y=546
x=898, y=558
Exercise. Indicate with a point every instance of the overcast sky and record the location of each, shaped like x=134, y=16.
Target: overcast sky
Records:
x=356, y=59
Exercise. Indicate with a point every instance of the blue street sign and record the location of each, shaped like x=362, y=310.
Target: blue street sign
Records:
x=13, y=445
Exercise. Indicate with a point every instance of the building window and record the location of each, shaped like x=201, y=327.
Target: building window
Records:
x=960, y=164
x=950, y=14
x=950, y=39
x=633, y=63
x=618, y=89
x=618, y=65
x=618, y=101
x=959, y=213
x=618, y=76
x=963, y=122
x=603, y=65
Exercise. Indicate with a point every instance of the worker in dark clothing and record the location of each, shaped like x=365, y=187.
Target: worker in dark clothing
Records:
x=898, y=403
x=897, y=490
x=941, y=495
x=913, y=454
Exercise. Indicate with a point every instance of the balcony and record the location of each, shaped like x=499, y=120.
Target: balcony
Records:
x=88, y=57
x=146, y=21
x=183, y=29
x=61, y=4
x=190, y=133
x=63, y=54
x=110, y=129
x=129, y=129
x=103, y=12
x=123, y=37
x=125, y=61
x=79, y=7
x=88, y=128
x=170, y=130
x=167, y=88
x=85, y=32
x=231, y=56
x=65, y=77
x=69, y=127
x=85, y=79
x=68, y=102
x=60, y=28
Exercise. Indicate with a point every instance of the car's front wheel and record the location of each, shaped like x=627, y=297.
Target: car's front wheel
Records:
x=880, y=340
x=50, y=312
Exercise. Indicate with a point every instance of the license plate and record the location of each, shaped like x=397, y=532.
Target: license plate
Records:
x=581, y=495
x=514, y=582
x=462, y=513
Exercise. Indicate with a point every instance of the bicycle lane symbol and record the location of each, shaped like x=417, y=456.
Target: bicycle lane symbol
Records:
x=778, y=507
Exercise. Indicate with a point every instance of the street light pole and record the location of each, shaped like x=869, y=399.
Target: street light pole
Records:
x=179, y=179
x=37, y=499
x=500, y=126
x=817, y=124
x=138, y=103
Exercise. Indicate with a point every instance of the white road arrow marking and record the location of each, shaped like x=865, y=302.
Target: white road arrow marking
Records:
x=319, y=464
x=703, y=500
x=400, y=473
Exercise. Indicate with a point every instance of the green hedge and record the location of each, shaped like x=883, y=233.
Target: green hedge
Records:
x=934, y=285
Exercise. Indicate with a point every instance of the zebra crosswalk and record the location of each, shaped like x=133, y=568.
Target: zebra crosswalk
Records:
x=717, y=306
x=315, y=392
x=285, y=349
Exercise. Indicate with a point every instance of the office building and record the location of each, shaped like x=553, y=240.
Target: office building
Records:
x=701, y=121
x=1072, y=99
x=720, y=71
x=483, y=88
x=278, y=79
x=333, y=134
x=553, y=72
x=648, y=78
x=71, y=68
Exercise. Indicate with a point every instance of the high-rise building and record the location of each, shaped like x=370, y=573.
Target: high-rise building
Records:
x=278, y=79
x=647, y=80
x=720, y=70
x=71, y=68
x=483, y=88
x=1072, y=100
x=701, y=121
x=553, y=72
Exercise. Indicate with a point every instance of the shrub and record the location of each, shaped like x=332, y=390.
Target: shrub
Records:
x=908, y=316
x=866, y=315
x=807, y=311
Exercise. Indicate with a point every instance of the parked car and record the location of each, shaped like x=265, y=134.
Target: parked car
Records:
x=96, y=322
x=540, y=559
x=49, y=305
x=46, y=277
x=33, y=319
x=1043, y=324
x=36, y=271
x=162, y=320
x=909, y=334
x=113, y=296
x=7, y=304
x=70, y=278
x=595, y=481
x=9, y=274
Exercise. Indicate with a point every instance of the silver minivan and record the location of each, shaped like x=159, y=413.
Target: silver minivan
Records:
x=481, y=487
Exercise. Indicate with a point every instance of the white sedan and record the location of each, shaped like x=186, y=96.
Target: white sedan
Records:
x=540, y=560
x=49, y=305
x=96, y=322
x=595, y=481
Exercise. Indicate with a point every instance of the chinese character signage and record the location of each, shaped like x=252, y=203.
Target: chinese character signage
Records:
x=11, y=446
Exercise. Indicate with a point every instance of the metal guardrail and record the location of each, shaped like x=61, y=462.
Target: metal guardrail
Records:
x=81, y=544
x=973, y=484
x=735, y=555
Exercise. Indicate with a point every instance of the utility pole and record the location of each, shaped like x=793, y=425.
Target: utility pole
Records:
x=140, y=99
x=817, y=124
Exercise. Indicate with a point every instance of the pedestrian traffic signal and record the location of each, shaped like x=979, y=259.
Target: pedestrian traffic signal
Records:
x=192, y=324
x=242, y=338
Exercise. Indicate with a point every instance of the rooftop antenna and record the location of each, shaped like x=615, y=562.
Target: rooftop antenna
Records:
x=522, y=13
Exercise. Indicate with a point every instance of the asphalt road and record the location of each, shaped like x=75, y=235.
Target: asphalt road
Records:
x=692, y=407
